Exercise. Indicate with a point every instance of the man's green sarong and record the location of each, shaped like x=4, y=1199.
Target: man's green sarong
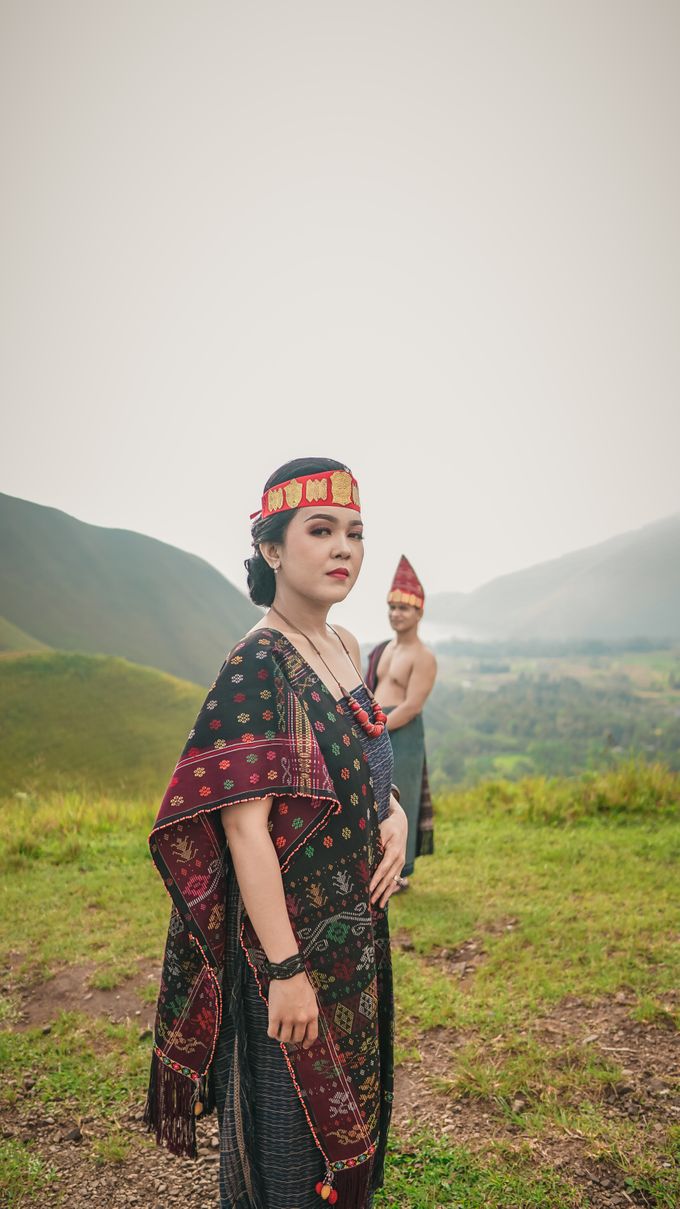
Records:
x=410, y=776
x=408, y=745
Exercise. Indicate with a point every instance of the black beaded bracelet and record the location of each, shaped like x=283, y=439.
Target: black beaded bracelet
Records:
x=285, y=969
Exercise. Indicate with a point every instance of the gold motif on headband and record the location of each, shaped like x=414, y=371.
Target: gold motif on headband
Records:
x=341, y=486
x=293, y=491
x=307, y=489
x=317, y=489
x=274, y=499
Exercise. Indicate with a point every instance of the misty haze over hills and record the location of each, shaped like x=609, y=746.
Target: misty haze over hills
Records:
x=628, y=586
x=78, y=587
x=72, y=586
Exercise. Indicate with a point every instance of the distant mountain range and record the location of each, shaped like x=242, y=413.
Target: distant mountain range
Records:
x=72, y=586
x=623, y=588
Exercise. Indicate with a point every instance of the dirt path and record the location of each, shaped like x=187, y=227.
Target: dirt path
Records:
x=148, y=1178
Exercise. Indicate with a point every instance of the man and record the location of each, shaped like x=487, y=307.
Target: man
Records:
x=401, y=673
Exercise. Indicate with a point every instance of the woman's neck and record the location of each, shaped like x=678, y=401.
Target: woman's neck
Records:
x=308, y=616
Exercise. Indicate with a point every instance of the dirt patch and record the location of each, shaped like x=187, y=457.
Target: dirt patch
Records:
x=40, y=1002
x=462, y=961
x=647, y=1053
x=648, y=1095
x=579, y=1164
x=417, y=1105
x=148, y=1177
x=151, y=1178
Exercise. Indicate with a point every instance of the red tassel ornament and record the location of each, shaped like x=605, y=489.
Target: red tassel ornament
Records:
x=326, y=1191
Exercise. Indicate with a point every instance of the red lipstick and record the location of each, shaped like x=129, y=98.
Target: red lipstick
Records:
x=339, y=573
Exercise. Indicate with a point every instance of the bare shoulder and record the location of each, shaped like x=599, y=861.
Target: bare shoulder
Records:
x=426, y=658
x=350, y=642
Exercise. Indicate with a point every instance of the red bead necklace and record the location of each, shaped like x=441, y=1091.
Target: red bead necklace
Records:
x=373, y=727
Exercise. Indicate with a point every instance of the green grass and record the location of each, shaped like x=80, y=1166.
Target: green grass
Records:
x=632, y=790
x=93, y=722
x=112, y=1149
x=83, y=1063
x=85, y=857
x=595, y=906
x=23, y=1174
x=541, y=1075
x=584, y=870
x=649, y=1011
x=428, y=1173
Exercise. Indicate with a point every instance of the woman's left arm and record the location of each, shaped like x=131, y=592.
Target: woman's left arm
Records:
x=393, y=833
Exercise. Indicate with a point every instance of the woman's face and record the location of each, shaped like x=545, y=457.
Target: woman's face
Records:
x=321, y=554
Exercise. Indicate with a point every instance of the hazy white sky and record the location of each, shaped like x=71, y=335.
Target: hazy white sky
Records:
x=437, y=240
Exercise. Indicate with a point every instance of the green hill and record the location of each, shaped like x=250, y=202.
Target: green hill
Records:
x=79, y=587
x=14, y=639
x=90, y=721
x=623, y=588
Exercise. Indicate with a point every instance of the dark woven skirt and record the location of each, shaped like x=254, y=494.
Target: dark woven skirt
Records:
x=268, y=1159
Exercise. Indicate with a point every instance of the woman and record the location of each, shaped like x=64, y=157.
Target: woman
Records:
x=281, y=843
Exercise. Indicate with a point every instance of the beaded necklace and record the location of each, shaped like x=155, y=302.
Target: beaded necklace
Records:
x=373, y=727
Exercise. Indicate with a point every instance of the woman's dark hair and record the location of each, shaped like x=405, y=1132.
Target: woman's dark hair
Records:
x=261, y=578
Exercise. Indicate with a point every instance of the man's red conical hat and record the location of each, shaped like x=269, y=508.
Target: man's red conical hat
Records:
x=406, y=587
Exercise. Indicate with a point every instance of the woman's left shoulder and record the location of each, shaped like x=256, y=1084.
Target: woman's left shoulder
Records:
x=348, y=638
x=257, y=644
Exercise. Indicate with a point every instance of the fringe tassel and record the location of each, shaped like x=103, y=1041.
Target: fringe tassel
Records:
x=170, y=1109
x=353, y=1185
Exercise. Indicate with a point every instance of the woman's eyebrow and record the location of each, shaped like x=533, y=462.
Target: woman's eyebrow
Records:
x=325, y=516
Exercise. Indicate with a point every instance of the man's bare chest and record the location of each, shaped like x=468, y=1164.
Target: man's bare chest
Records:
x=395, y=668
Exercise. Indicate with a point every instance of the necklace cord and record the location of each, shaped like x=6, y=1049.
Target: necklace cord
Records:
x=373, y=728
x=273, y=609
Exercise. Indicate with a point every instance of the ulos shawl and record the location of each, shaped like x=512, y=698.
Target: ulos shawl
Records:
x=269, y=726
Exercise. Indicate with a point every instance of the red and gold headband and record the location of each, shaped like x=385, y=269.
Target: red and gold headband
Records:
x=334, y=488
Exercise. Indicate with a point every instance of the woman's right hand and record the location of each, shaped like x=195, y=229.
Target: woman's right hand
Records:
x=293, y=1011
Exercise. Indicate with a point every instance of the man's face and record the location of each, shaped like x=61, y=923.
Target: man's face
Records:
x=403, y=617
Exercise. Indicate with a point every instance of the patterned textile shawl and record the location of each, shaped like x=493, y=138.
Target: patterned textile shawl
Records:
x=425, y=834
x=269, y=726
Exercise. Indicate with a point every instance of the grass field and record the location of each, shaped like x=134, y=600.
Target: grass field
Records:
x=94, y=722
x=537, y=1010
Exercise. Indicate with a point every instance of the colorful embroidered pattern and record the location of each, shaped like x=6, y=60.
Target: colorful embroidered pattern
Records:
x=324, y=827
